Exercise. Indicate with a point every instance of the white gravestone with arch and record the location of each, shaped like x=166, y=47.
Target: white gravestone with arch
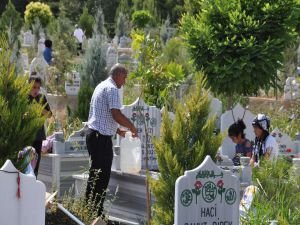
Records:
x=142, y=115
x=38, y=66
x=285, y=144
x=228, y=118
x=207, y=195
x=111, y=57
x=29, y=207
x=28, y=39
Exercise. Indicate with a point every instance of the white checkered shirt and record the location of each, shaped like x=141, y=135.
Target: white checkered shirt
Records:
x=105, y=98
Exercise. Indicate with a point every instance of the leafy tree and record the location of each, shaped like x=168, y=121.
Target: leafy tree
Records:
x=141, y=18
x=40, y=11
x=239, y=43
x=159, y=80
x=71, y=9
x=19, y=121
x=84, y=96
x=86, y=22
x=182, y=146
x=20, y=5
x=124, y=8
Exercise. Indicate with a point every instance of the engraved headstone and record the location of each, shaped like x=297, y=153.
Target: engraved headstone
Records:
x=144, y=118
x=28, y=38
x=111, y=57
x=29, y=207
x=291, y=89
x=207, y=195
x=72, y=84
x=228, y=118
x=285, y=144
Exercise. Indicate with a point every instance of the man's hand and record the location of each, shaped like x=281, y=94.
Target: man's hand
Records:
x=121, y=132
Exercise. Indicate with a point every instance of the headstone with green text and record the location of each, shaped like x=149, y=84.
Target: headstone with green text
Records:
x=207, y=195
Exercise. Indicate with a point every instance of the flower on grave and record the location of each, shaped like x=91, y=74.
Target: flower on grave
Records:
x=221, y=190
x=198, y=184
x=289, y=150
x=274, y=135
x=280, y=135
x=220, y=183
x=197, y=190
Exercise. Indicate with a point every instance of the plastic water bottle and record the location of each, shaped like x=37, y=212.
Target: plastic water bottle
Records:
x=130, y=154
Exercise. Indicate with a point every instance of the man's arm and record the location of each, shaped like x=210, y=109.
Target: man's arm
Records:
x=123, y=121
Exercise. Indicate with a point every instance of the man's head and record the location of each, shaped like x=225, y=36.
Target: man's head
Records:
x=36, y=85
x=119, y=74
x=48, y=43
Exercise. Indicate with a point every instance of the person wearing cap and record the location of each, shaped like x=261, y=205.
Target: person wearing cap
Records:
x=104, y=117
x=265, y=146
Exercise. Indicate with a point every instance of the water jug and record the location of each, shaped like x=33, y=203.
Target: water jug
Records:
x=130, y=154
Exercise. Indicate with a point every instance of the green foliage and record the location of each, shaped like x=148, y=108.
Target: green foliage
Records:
x=141, y=18
x=71, y=9
x=19, y=121
x=122, y=25
x=38, y=10
x=99, y=28
x=182, y=146
x=278, y=197
x=123, y=8
x=176, y=51
x=93, y=71
x=86, y=22
x=84, y=97
x=240, y=42
x=159, y=80
x=11, y=21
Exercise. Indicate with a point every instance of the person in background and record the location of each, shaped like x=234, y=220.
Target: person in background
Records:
x=243, y=146
x=265, y=146
x=79, y=35
x=48, y=51
x=104, y=117
x=36, y=96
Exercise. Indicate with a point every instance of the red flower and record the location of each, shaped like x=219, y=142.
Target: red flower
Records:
x=220, y=183
x=289, y=150
x=198, y=184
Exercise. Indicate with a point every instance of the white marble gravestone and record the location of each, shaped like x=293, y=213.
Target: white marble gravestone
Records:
x=207, y=195
x=228, y=118
x=291, y=89
x=142, y=115
x=216, y=110
x=25, y=61
x=72, y=84
x=28, y=38
x=285, y=144
x=111, y=57
x=38, y=65
x=29, y=209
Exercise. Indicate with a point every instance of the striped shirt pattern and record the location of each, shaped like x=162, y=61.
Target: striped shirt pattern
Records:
x=105, y=98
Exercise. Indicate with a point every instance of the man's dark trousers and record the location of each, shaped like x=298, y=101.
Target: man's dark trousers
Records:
x=100, y=150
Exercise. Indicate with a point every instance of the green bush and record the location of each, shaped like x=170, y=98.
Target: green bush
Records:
x=183, y=145
x=86, y=22
x=141, y=18
x=19, y=120
x=38, y=10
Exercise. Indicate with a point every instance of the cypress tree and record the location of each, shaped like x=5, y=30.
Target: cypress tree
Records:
x=183, y=145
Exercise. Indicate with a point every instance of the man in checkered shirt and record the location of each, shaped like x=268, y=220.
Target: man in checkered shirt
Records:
x=104, y=117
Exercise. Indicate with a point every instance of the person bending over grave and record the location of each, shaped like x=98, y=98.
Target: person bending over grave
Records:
x=36, y=96
x=265, y=146
x=243, y=146
x=104, y=117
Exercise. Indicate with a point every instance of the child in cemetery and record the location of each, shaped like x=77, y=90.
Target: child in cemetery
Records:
x=243, y=145
x=36, y=96
x=265, y=146
x=48, y=51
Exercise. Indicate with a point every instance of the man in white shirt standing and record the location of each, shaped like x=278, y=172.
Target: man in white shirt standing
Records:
x=79, y=35
x=104, y=117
